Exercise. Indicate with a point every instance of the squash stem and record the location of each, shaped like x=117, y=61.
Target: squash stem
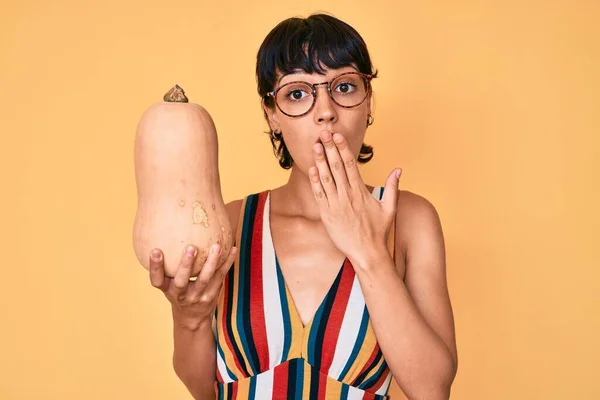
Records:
x=175, y=95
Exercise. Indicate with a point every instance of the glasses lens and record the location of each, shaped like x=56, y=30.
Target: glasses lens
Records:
x=349, y=90
x=295, y=98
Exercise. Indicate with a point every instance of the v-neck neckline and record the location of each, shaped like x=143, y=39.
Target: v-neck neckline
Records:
x=288, y=293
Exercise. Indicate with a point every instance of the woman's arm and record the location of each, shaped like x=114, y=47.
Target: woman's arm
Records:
x=412, y=317
x=194, y=353
x=195, y=357
x=193, y=305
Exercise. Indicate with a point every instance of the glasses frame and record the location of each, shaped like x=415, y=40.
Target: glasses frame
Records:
x=313, y=86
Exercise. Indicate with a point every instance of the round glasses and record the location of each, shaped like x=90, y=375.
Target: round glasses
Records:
x=348, y=90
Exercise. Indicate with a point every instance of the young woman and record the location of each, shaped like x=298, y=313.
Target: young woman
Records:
x=333, y=286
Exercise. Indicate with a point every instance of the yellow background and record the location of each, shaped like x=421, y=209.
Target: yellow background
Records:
x=491, y=108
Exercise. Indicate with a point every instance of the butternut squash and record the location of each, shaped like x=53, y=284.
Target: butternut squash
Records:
x=179, y=199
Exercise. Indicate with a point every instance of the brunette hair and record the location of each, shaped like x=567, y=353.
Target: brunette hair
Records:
x=304, y=43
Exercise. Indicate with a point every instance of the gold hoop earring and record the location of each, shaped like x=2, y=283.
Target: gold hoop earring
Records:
x=370, y=120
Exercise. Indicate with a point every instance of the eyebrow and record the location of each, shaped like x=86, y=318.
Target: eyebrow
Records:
x=299, y=71
x=293, y=72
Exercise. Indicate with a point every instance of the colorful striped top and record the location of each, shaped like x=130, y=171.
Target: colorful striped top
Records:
x=263, y=349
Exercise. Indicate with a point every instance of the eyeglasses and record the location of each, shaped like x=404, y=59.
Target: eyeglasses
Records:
x=348, y=90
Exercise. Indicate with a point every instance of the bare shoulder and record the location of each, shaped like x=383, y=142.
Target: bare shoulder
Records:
x=418, y=224
x=414, y=206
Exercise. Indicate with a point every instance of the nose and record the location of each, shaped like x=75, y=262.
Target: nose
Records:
x=324, y=106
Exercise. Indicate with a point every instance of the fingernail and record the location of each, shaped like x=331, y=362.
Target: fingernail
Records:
x=398, y=172
x=156, y=255
x=215, y=249
x=191, y=251
x=337, y=138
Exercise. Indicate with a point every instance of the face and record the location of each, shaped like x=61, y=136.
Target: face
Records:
x=301, y=133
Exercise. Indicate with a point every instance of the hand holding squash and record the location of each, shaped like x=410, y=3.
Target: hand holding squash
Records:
x=192, y=301
x=178, y=184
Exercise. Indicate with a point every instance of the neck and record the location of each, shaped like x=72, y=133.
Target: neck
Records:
x=296, y=197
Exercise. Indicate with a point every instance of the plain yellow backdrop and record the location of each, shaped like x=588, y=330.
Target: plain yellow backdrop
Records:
x=491, y=109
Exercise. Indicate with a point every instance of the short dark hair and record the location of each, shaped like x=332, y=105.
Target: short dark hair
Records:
x=301, y=43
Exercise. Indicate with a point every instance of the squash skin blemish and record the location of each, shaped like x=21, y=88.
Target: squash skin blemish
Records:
x=199, y=215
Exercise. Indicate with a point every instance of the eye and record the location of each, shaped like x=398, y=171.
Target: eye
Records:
x=345, y=87
x=296, y=94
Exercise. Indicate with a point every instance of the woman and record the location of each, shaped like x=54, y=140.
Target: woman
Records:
x=338, y=286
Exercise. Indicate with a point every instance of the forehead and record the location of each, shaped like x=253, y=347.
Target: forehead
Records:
x=299, y=74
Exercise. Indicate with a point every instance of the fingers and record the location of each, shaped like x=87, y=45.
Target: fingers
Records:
x=348, y=161
x=208, y=270
x=390, y=192
x=156, y=269
x=184, y=271
x=211, y=290
x=325, y=174
x=208, y=283
x=318, y=191
x=336, y=164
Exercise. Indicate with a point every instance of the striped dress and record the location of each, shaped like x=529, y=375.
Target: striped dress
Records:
x=264, y=351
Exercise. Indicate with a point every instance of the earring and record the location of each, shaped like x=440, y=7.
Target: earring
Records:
x=370, y=120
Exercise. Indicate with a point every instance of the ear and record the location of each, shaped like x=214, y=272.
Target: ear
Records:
x=272, y=117
x=369, y=103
